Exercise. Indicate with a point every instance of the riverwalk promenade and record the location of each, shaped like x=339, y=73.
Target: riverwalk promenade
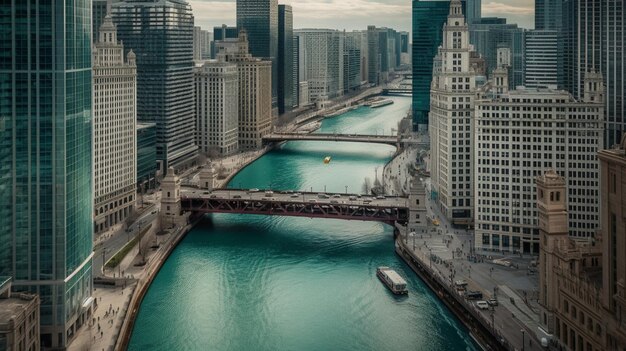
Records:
x=446, y=257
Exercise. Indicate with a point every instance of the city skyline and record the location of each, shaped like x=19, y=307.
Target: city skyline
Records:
x=356, y=14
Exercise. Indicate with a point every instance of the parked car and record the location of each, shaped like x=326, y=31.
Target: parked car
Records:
x=236, y=196
x=474, y=295
x=492, y=302
x=483, y=305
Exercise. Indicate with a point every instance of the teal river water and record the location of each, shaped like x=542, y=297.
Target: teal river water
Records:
x=242, y=282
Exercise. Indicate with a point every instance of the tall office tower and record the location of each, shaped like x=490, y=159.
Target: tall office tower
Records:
x=549, y=14
x=383, y=55
x=161, y=35
x=285, y=57
x=542, y=59
x=473, y=11
x=520, y=135
x=260, y=20
x=146, y=155
x=373, y=56
x=404, y=48
x=613, y=203
x=364, y=56
x=451, y=124
x=217, y=108
x=115, y=119
x=220, y=33
x=390, y=46
x=352, y=60
x=492, y=33
x=600, y=37
x=207, y=44
x=428, y=19
x=321, y=62
x=255, y=97
x=201, y=43
x=46, y=230
x=296, y=69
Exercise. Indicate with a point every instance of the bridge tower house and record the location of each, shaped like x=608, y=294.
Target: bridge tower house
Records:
x=170, y=198
x=417, y=208
x=206, y=179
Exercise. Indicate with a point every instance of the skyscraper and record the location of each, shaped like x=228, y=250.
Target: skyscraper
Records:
x=493, y=33
x=321, y=62
x=115, y=119
x=255, y=98
x=549, y=14
x=373, y=57
x=352, y=60
x=450, y=120
x=541, y=57
x=428, y=19
x=260, y=20
x=285, y=59
x=473, y=11
x=46, y=160
x=217, y=108
x=164, y=72
x=600, y=33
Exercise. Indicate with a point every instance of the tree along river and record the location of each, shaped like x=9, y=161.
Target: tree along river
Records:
x=244, y=282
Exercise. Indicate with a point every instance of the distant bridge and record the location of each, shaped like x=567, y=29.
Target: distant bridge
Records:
x=305, y=204
x=359, y=138
x=397, y=91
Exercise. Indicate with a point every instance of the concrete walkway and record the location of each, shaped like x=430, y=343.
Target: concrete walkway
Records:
x=447, y=251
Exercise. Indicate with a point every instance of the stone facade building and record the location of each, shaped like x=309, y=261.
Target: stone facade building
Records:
x=255, y=91
x=217, y=108
x=581, y=282
x=19, y=319
x=451, y=125
x=115, y=120
x=519, y=135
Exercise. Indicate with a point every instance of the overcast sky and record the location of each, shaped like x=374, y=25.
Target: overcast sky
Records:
x=355, y=14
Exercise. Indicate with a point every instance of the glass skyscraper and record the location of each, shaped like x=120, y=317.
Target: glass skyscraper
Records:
x=46, y=201
x=595, y=35
x=492, y=33
x=428, y=20
x=161, y=35
x=285, y=59
x=260, y=20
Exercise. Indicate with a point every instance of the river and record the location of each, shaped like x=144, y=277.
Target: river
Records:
x=243, y=282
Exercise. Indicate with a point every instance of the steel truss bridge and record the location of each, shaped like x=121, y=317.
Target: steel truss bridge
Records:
x=388, y=210
x=359, y=138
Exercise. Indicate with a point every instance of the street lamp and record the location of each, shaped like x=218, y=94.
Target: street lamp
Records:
x=523, y=341
x=346, y=189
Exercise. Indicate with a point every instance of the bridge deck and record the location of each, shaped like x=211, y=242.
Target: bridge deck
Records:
x=379, y=139
x=306, y=204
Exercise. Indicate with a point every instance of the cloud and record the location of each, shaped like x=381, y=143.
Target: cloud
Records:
x=349, y=14
x=354, y=14
x=500, y=9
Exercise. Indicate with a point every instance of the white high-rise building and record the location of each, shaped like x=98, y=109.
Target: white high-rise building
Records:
x=520, y=135
x=321, y=62
x=451, y=123
x=114, y=136
x=255, y=90
x=217, y=108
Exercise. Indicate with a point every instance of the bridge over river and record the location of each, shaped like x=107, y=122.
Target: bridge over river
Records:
x=359, y=138
x=299, y=204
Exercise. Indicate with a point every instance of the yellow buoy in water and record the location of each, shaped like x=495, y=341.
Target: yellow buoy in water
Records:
x=327, y=159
